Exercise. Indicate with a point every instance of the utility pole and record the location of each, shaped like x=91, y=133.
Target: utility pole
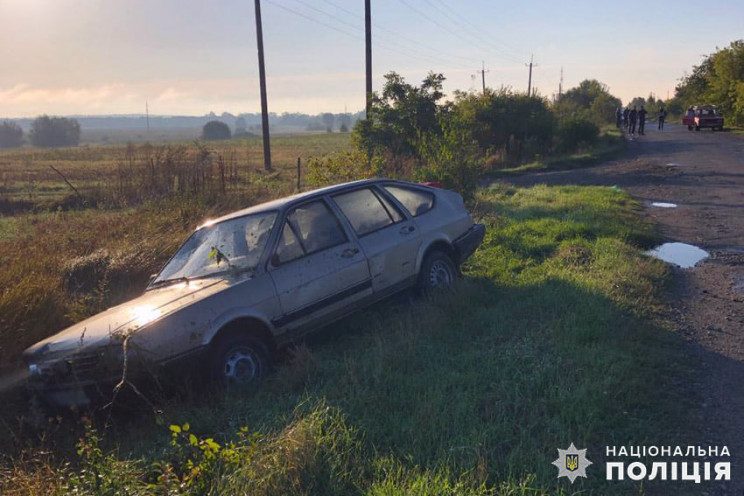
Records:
x=262, y=78
x=529, y=81
x=560, y=85
x=368, y=50
x=483, y=72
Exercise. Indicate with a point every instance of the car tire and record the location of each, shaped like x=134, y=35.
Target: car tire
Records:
x=238, y=360
x=438, y=272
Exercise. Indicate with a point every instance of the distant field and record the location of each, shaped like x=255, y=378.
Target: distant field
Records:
x=27, y=179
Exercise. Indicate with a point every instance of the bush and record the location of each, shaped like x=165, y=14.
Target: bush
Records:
x=216, y=130
x=575, y=132
x=54, y=131
x=11, y=135
x=338, y=168
x=453, y=158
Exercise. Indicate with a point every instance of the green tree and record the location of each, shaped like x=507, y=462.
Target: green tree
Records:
x=11, y=135
x=54, y=131
x=216, y=130
x=452, y=157
x=718, y=80
x=400, y=118
x=590, y=100
x=515, y=124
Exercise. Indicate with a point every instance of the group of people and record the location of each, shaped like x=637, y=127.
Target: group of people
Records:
x=627, y=119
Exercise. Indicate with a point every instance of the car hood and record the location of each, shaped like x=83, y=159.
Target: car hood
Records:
x=127, y=317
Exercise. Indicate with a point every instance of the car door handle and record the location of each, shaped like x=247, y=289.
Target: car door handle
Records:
x=349, y=252
x=407, y=229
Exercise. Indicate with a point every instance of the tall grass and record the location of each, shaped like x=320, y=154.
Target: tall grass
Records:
x=547, y=341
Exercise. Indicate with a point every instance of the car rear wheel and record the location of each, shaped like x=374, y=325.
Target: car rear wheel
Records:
x=238, y=360
x=438, y=272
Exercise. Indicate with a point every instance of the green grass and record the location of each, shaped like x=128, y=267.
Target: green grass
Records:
x=609, y=146
x=549, y=340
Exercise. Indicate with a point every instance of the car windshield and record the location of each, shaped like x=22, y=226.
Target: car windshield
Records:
x=232, y=245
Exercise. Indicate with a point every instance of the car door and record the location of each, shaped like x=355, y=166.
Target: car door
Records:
x=317, y=269
x=389, y=238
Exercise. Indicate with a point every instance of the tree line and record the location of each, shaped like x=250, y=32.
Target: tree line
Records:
x=45, y=132
x=413, y=132
x=718, y=80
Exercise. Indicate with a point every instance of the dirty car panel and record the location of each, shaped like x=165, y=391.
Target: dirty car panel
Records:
x=253, y=280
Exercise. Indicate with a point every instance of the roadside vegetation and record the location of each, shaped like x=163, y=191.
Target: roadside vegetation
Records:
x=718, y=80
x=544, y=343
x=549, y=339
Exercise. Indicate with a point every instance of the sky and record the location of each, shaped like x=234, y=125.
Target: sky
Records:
x=190, y=57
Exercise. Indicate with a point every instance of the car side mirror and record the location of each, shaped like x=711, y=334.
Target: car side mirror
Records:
x=275, y=261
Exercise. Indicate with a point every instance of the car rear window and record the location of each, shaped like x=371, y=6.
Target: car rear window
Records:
x=416, y=202
x=365, y=211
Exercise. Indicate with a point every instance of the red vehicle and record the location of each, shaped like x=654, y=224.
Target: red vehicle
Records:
x=701, y=116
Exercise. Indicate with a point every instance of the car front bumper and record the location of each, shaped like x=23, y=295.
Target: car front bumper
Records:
x=466, y=244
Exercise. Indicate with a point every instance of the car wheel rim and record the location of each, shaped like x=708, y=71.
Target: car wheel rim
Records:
x=440, y=275
x=240, y=365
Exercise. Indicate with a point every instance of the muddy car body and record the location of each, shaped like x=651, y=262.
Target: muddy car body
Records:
x=251, y=281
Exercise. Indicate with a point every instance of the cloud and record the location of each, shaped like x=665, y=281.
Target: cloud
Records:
x=297, y=93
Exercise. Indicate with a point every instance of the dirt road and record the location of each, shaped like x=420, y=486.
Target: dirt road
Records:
x=703, y=174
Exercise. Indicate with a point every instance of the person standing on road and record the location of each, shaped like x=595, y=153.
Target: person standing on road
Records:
x=632, y=118
x=625, y=117
x=642, y=121
x=619, y=117
x=662, y=117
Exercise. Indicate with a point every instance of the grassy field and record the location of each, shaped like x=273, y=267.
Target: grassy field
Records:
x=548, y=340
x=27, y=180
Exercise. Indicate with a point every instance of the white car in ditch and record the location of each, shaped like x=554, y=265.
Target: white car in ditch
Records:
x=247, y=283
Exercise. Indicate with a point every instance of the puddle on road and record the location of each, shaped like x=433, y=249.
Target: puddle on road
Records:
x=682, y=254
x=664, y=205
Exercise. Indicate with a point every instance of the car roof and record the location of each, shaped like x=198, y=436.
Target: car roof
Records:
x=282, y=203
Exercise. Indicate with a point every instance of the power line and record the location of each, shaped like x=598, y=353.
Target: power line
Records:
x=332, y=16
x=475, y=27
x=357, y=37
x=311, y=19
x=397, y=35
x=444, y=27
x=468, y=32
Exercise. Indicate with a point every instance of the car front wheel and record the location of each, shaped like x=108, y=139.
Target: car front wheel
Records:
x=438, y=272
x=238, y=360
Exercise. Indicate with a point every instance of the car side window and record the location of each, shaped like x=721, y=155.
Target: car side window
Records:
x=364, y=210
x=289, y=247
x=316, y=226
x=415, y=201
x=394, y=212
